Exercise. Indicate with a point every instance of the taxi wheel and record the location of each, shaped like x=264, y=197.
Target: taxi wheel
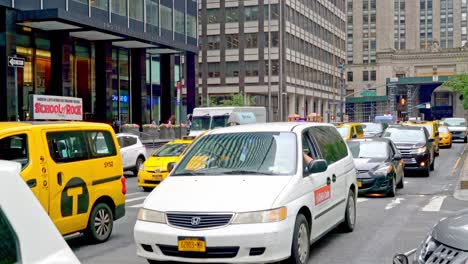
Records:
x=138, y=163
x=450, y=146
x=148, y=189
x=301, y=243
x=100, y=224
x=392, y=191
x=350, y=214
x=401, y=184
x=431, y=167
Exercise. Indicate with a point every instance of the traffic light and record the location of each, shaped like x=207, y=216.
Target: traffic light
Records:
x=333, y=117
x=402, y=101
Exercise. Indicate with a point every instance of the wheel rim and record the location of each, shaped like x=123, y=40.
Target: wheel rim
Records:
x=351, y=211
x=102, y=223
x=302, y=244
x=394, y=185
x=139, y=162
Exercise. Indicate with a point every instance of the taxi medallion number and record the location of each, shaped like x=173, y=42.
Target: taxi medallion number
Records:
x=192, y=244
x=157, y=177
x=359, y=184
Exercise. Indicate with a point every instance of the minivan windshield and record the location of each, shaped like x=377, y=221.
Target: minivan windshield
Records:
x=399, y=135
x=201, y=123
x=455, y=122
x=170, y=150
x=248, y=153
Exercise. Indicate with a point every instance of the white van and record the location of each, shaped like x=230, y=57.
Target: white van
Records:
x=251, y=194
x=207, y=118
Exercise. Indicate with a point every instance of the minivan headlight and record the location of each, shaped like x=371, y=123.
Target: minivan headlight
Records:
x=420, y=150
x=151, y=216
x=267, y=216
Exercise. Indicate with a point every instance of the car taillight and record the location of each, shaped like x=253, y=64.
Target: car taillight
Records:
x=124, y=185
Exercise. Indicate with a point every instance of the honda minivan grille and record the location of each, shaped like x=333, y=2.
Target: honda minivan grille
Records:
x=198, y=221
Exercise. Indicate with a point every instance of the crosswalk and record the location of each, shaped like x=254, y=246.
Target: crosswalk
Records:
x=426, y=203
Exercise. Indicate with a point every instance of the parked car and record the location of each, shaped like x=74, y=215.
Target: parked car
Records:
x=445, y=137
x=373, y=129
x=157, y=167
x=27, y=235
x=447, y=242
x=458, y=127
x=415, y=146
x=249, y=194
x=132, y=150
x=379, y=163
x=350, y=130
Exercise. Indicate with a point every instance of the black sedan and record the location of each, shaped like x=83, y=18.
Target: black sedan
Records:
x=379, y=163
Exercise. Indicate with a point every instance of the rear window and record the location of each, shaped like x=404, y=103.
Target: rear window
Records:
x=15, y=148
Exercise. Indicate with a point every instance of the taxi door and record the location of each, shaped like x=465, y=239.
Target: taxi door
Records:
x=70, y=172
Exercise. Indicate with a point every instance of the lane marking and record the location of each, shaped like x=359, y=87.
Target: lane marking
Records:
x=434, y=204
x=135, y=193
x=135, y=199
x=406, y=182
x=394, y=203
x=456, y=165
x=136, y=206
x=360, y=200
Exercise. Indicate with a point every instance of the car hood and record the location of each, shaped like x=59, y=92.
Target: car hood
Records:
x=453, y=231
x=216, y=193
x=158, y=162
x=366, y=164
x=451, y=129
x=409, y=145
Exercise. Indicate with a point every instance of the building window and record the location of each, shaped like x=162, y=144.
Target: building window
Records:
x=251, y=68
x=373, y=75
x=213, y=42
x=274, y=39
x=135, y=8
x=400, y=24
x=274, y=11
x=119, y=7
x=232, y=41
x=425, y=23
x=274, y=67
x=232, y=14
x=464, y=22
x=166, y=17
x=251, y=40
x=232, y=69
x=152, y=12
x=192, y=26
x=251, y=13
x=213, y=16
x=213, y=70
x=179, y=18
x=446, y=23
x=101, y=4
x=350, y=76
x=365, y=76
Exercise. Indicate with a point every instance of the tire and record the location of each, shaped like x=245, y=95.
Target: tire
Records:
x=140, y=160
x=431, y=167
x=100, y=223
x=148, y=189
x=450, y=146
x=300, y=247
x=401, y=184
x=426, y=172
x=465, y=139
x=350, y=214
x=392, y=191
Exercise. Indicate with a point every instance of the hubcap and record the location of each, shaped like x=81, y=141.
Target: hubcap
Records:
x=102, y=223
x=302, y=243
x=351, y=211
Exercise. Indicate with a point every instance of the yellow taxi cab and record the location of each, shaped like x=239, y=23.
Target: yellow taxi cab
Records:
x=445, y=137
x=350, y=130
x=156, y=168
x=433, y=129
x=75, y=171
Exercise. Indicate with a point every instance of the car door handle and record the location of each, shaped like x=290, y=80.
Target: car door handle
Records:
x=328, y=181
x=31, y=183
x=334, y=178
x=59, y=178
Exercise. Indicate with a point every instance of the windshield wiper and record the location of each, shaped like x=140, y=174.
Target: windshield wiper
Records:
x=190, y=173
x=245, y=172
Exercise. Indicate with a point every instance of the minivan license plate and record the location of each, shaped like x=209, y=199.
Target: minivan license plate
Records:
x=193, y=244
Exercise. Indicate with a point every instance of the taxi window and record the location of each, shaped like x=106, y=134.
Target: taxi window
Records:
x=9, y=248
x=101, y=144
x=130, y=141
x=67, y=146
x=359, y=130
x=15, y=148
x=331, y=145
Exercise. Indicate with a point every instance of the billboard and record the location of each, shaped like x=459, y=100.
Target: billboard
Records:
x=49, y=107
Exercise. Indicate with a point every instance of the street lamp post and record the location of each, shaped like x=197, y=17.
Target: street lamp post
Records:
x=342, y=84
x=270, y=108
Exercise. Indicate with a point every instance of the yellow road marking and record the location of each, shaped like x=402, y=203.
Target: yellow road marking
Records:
x=456, y=165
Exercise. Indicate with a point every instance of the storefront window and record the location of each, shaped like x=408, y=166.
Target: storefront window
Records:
x=119, y=7
x=115, y=85
x=101, y=4
x=152, y=84
x=124, y=86
x=152, y=12
x=179, y=17
x=42, y=66
x=191, y=26
x=166, y=17
x=136, y=9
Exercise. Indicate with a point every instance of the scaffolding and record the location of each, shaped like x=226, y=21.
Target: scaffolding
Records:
x=366, y=111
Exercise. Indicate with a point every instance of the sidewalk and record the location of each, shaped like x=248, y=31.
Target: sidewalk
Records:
x=461, y=191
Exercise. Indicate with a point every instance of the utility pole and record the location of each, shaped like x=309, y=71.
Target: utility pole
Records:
x=342, y=83
x=270, y=108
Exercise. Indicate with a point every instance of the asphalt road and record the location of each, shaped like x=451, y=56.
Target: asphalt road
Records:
x=385, y=226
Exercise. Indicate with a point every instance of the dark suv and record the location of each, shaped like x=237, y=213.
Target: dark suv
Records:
x=415, y=146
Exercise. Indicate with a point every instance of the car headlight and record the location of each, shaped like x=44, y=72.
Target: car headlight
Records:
x=426, y=249
x=151, y=216
x=383, y=170
x=420, y=150
x=142, y=167
x=268, y=216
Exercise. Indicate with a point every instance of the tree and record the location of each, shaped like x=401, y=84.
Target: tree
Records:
x=459, y=83
x=236, y=100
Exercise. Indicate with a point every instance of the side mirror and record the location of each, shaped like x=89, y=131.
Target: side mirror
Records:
x=431, y=139
x=437, y=133
x=170, y=166
x=354, y=136
x=397, y=157
x=400, y=259
x=317, y=166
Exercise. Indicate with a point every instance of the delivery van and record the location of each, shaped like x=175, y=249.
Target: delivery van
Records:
x=75, y=171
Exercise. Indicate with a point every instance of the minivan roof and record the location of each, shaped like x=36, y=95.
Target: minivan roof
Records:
x=268, y=127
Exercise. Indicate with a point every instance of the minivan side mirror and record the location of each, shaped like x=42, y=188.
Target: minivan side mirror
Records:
x=400, y=259
x=437, y=133
x=397, y=157
x=354, y=136
x=170, y=166
x=431, y=140
x=317, y=166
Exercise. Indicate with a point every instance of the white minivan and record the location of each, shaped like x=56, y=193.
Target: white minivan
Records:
x=251, y=194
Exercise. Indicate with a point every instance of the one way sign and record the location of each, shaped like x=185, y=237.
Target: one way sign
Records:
x=15, y=62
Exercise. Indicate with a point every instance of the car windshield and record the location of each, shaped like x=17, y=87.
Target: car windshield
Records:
x=170, y=150
x=405, y=135
x=219, y=121
x=372, y=127
x=459, y=122
x=443, y=130
x=200, y=123
x=344, y=131
x=366, y=149
x=252, y=153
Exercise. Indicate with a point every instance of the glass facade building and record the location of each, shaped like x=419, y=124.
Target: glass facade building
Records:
x=122, y=57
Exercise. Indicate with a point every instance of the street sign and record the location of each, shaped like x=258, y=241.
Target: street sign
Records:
x=334, y=103
x=15, y=62
x=368, y=93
